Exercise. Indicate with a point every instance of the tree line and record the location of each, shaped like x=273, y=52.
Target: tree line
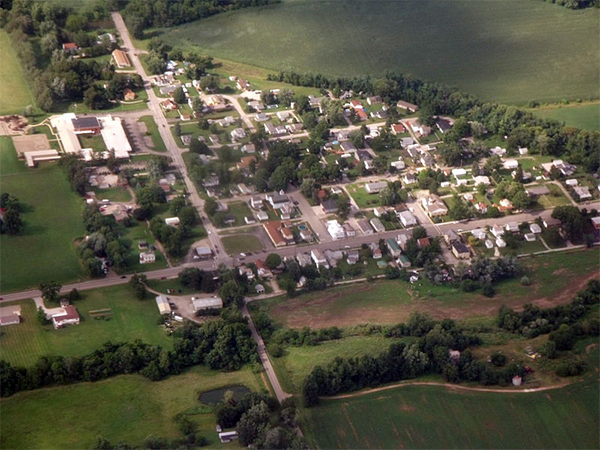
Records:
x=221, y=344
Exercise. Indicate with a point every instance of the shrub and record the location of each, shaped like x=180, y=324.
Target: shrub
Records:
x=525, y=281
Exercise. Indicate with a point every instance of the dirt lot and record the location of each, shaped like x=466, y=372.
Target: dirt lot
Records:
x=32, y=142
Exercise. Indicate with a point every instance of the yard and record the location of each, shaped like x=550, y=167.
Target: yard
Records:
x=554, y=280
x=241, y=243
x=139, y=232
x=159, y=145
x=113, y=194
x=586, y=116
x=129, y=319
x=439, y=417
x=14, y=91
x=501, y=51
x=237, y=210
x=361, y=197
x=44, y=250
x=126, y=408
x=554, y=199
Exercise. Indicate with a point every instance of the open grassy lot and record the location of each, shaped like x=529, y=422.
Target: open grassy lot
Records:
x=298, y=362
x=127, y=408
x=114, y=194
x=586, y=116
x=554, y=277
x=44, y=250
x=503, y=50
x=437, y=417
x=362, y=198
x=14, y=92
x=130, y=319
x=241, y=243
x=238, y=210
x=159, y=145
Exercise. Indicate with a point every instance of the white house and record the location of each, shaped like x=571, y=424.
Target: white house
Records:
x=172, y=221
x=510, y=164
x=335, y=229
x=407, y=218
x=147, y=258
x=319, y=258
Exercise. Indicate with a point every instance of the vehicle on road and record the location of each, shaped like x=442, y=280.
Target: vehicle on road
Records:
x=123, y=277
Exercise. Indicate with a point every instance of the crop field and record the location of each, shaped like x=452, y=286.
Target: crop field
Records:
x=126, y=408
x=503, y=51
x=52, y=216
x=130, y=319
x=14, y=92
x=438, y=417
x=554, y=280
x=585, y=116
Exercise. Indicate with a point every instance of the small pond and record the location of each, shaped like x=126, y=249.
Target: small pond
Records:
x=215, y=396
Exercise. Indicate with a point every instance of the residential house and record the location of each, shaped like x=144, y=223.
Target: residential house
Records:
x=361, y=114
x=319, y=258
x=402, y=239
x=350, y=232
x=409, y=178
x=168, y=105
x=70, y=47
x=262, y=269
x=379, y=211
x=536, y=229
x=497, y=151
x=10, y=315
x=482, y=179
x=306, y=235
x=434, y=206
x=595, y=222
x=501, y=243
x=420, y=129
x=398, y=165
x=261, y=117
x=407, y=218
x=512, y=227
x=403, y=261
x=121, y=59
x=214, y=139
x=375, y=100
x=377, y=225
x=277, y=200
x=172, y=221
x=335, y=229
x=443, y=125
x=270, y=129
x=304, y=259
x=242, y=85
x=505, y=205
x=66, y=316
x=423, y=242
x=510, y=164
x=329, y=206
x=497, y=230
x=256, y=202
x=583, y=192
x=364, y=227
x=147, y=258
x=406, y=142
x=352, y=257
x=479, y=233
x=128, y=95
x=523, y=151
x=245, y=163
x=407, y=106
x=375, y=188
x=294, y=128
x=262, y=216
x=537, y=191
x=393, y=247
x=248, y=148
x=572, y=182
x=460, y=250
x=397, y=128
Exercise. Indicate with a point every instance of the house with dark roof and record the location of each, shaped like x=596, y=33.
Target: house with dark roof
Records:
x=329, y=206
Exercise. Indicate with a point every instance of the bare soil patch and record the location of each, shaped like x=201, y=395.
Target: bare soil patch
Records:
x=31, y=142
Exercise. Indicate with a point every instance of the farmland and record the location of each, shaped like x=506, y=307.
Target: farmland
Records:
x=586, y=116
x=503, y=51
x=127, y=408
x=14, y=92
x=554, y=280
x=438, y=417
x=129, y=319
x=52, y=215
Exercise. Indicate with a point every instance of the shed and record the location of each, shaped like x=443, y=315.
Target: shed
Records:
x=163, y=305
x=203, y=303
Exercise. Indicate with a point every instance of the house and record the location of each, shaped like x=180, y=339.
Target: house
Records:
x=460, y=250
x=329, y=206
x=335, y=229
x=256, y=202
x=505, y=205
x=481, y=179
x=393, y=247
x=121, y=59
x=443, y=125
x=262, y=216
x=364, y=227
x=259, y=288
x=262, y=269
x=375, y=188
x=249, y=220
x=377, y=225
x=277, y=201
x=242, y=85
x=248, y=148
x=211, y=181
x=398, y=165
x=172, y=221
x=402, y=239
x=434, y=206
x=352, y=257
x=537, y=191
x=280, y=236
x=168, y=89
x=529, y=237
x=536, y=229
x=512, y=227
x=406, y=142
x=256, y=105
x=572, y=182
x=501, y=243
x=10, y=315
x=245, y=163
x=375, y=100
x=347, y=147
x=319, y=258
x=70, y=47
x=67, y=316
x=409, y=178
x=304, y=259
x=420, y=129
x=595, y=222
x=377, y=254
x=86, y=125
x=361, y=114
x=497, y=151
x=551, y=222
x=163, y=305
x=204, y=303
x=583, y=192
x=523, y=151
x=403, y=261
x=294, y=128
x=228, y=436
x=423, y=242
x=497, y=230
x=283, y=115
x=510, y=164
x=214, y=139
x=306, y=235
x=147, y=258
x=107, y=36
x=489, y=244
x=407, y=218
x=261, y=117
x=168, y=105
x=397, y=128
x=379, y=211
x=128, y=95
x=350, y=232
x=407, y=106
x=203, y=253
x=270, y=129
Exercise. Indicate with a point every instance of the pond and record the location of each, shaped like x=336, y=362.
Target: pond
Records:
x=215, y=396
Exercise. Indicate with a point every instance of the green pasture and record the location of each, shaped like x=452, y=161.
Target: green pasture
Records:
x=241, y=243
x=126, y=408
x=503, y=51
x=44, y=250
x=14, y=92
x=436, y=417
x=131, y=319
x=586, y=116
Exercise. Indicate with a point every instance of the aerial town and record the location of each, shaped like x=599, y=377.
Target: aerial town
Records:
x=225, y=256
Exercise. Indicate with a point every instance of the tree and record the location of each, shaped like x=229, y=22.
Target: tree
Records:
x=253, y=423
x=138, y=283
x=12, y=222
x=273, y=260
x=179, y=95
x=210, y=206
x=209, y=83
x=177, y=129
x=41, y=316
x=231, y=293
x=50, y=291
x=343, y=204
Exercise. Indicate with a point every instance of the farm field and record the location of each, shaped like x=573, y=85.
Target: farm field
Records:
x=502, y=51
x=438, y=417
x=586, y=116
x=554, y=280
x=130, y=319
x=241, y=243
x=44, y=250
x=14, y=92
x=127, y=408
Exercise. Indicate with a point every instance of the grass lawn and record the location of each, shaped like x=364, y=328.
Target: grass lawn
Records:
x=14, y=92
x=554, y=199
x=361, y=197
x=241, y=243
x=239, y=210
x=159, y=145
x=586, y=116
x=436, y=417
x=114, y=194
x=131, y=319
x=44, y=250
x=298, y=362
x=127, y=408
x=140, y=232
x=554, y=280
x=501, y=51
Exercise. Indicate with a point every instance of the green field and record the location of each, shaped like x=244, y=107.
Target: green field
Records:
x=127, y=408
x=14, y=92
x=44, y=250
x=581, y=116
x=554, y=279
x=436, y=417
x=503, y=51
x=157, y=140
x=130, y=319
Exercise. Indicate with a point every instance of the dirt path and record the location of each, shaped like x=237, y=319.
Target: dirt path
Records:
x=449, y=386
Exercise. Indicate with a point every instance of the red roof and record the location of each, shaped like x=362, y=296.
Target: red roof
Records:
x=398, y=128
x=260, y=264
x=423, y=242
x=360, y=113
x=272, y=229
x=70, y=46
x=69, y=314
x=356, y=104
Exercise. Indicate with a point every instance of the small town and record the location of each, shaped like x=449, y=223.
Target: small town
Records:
x=262, y=251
